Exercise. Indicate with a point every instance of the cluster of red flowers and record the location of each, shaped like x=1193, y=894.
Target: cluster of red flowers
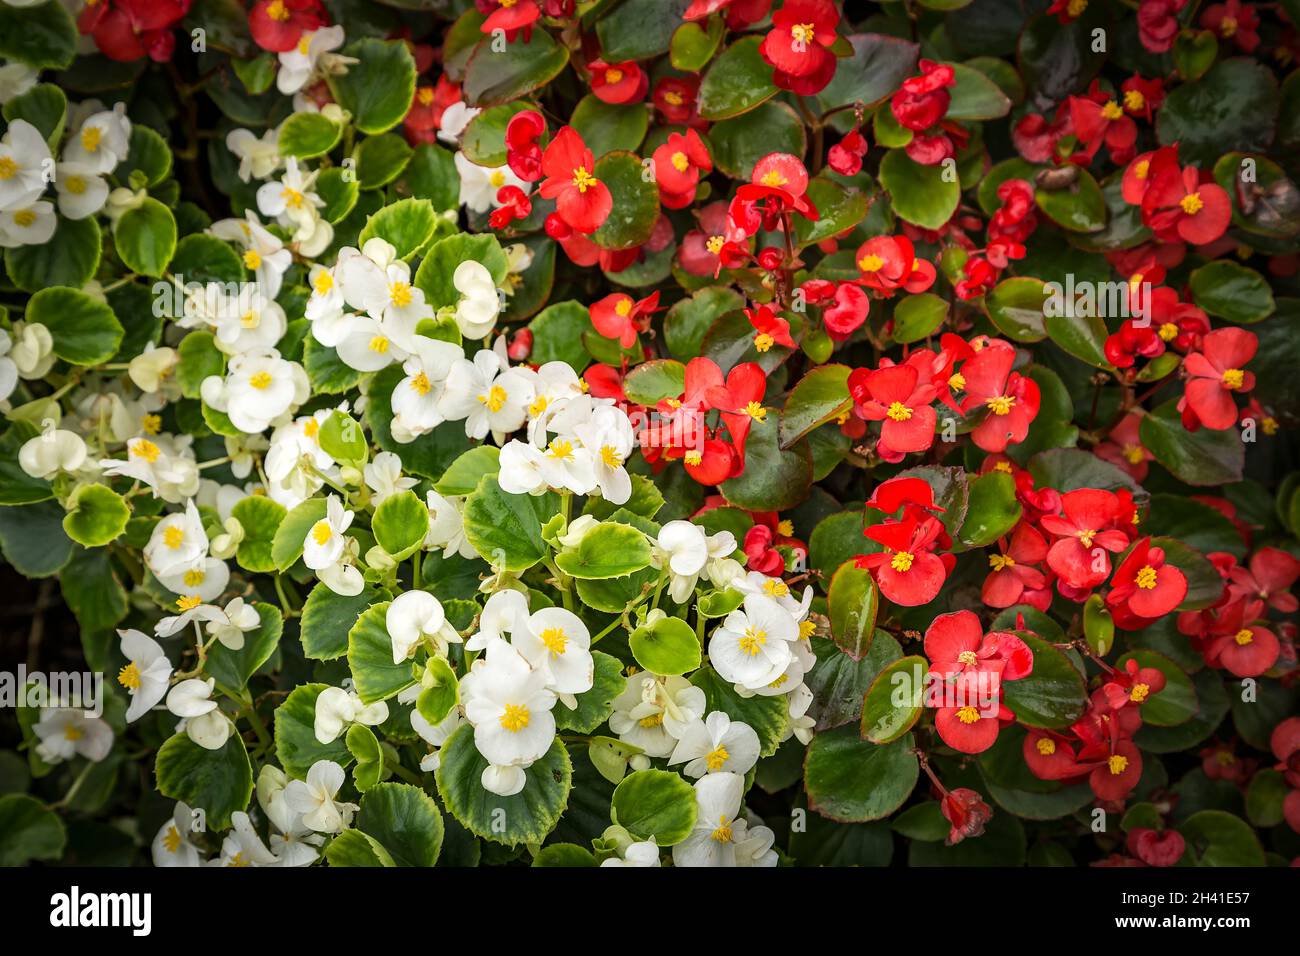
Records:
x=920, y=105
x=128, y=30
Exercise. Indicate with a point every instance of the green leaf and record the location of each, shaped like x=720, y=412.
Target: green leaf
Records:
x=1053, y=695
x=370, y=658
x=1079, y=207
x=839, y=683
x=493, y=77
x=44, y=106
x=919, y=194
x=465, y=473
x=853, y=780
x=85, y=330
x=407, y=224
x=92, y=589
x=693, y=44
x=606, y=127
x=260, y=518
x=1015, y=306
x=1098, y=625
x=975, y=96
x=594, y=705
x=1232, y=291
x=70, y=258
x=43, y=36
x=655, y=805
x=609, y=550
x=506, y=529
x=877, y=67
x=895, y=700
x=564, y=854
x=1216, y=838
x=557, y=334
x=286, y=546
x=1233, y=106
x=433, y=277
x=1265, y=797
x=527, y=816
x=308, y=135
x=821, y=396
x=635, y=197
x=96, y=515
x=738, y=81
x=354, y=848
x=740, y=142
x=852, y=602
x=296, y=746
x=437, y=699
x=667, y=646
x=405, y=821
x=28, y=830
x=381, y=159
x=198, y=358
x=918, y=316
x=400, y=523
x=234, y=668
x=378, y=90
x=219, y=781
x=1203, y=458
x=992, y=509
x=145, y=237
x=484, y=138
x=687, y=321
x=774, y=478
x=652, y=382
x=431, y=175
x=429, y=455
x=32, y=538
x=1082, y=335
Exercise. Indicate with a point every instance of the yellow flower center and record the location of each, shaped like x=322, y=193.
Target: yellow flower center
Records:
x=276, y=10
x=583, y=179
x=560, y=448
x=539, y=405
x=1134, y=100
x=1075, y=8
x=1000, y=562
x=24, y=218
x=1228, y=26
x=1085, y=537
x=1046, y=746
x=260, y=380
x=752, y=640
x=555, y=640
x=497, y=179
x=73, y=732
x=1117, y=763
x=494, y=398
x=1112, y=111
x=785, y=528
x=956, y=381
x=1234, y=377
x=1145, y=578
x=1191, y=203
x=673, y=98
x=251, y=319
x=803, y=32
x=610, y=456
x=722, y=833
x=425, y=96
x=8, y=167
x=129, y=676
x=172, y=839
x=252, y=259
x=75, y=185
x=514, y=718
x=654, y=720
x=1142, y=168
x=323, y=282
x=680, y=162
x=194, y=577
x=188, y=603
x=173, y=536
x=378, y=344
x=1244, y=636
x=902, y=561
x=969, y=658
x=715, y=244
x=1139, y=693
x=421, y=384
x=968, y=715
x=144, y=448
x=898, y=412
x=717, y=759
x=773, y=178
x=776, y=588
x=613, y=75
x=321, y=532
x=1133, y=454
x=693, y=458
x=871, y=263
x=292, y=197
x=763, y=341
x=756, y=411
x=90, y=137
x=1000, y=404
x=623, y=308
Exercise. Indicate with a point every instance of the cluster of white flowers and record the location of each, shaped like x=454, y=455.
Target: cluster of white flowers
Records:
x=98, y=141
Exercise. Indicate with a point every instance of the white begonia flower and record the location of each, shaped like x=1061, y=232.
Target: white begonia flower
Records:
x=324, y=309
x=479, y=305
x=504, y=612
x=343, y=578
x=653, y=712
x=294, y=844
x=577, y=529
x=145, y=675
x=368, y=344
x=259, y=157
x=32, y=349
x=685, y=549
x=716, y=744
x=178, y=539
x=16, y=78
x=102, y=141
x=415, y=617
x=29, y=225
x=556, y=641
x=313, y=56
x=244, y=451
x=172, y=476
x=447, y=526
x=415, y=399
x=237, y=619
x=8, y=367
x=242, y=846
x=295, y=462
x=454, y=120
x=800, y=725
x=754, y=645
x=153, y=371
x=259, y=387
x=314, y=798
x=802, y=660
x=510, y=708
x=172, y=845
x=608, y=436
x=479, y=184
x=202, y=579
x=52, y=451
x=249, y=321
x=337, y=709
x=67, y=732
x=553, y=382
x=522, y=470
x=324, y=544
x=82, y=191
x=722, y=837
x=383, y=476
x=203, y=721
x=263, y=252
x=488, y=395
x=25, y=165
x=645, y=853
x=435, y=735
x=378, y=283
x=755, y=582
x=294, y=205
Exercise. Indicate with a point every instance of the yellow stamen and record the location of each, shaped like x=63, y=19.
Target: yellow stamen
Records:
x=514, y=718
